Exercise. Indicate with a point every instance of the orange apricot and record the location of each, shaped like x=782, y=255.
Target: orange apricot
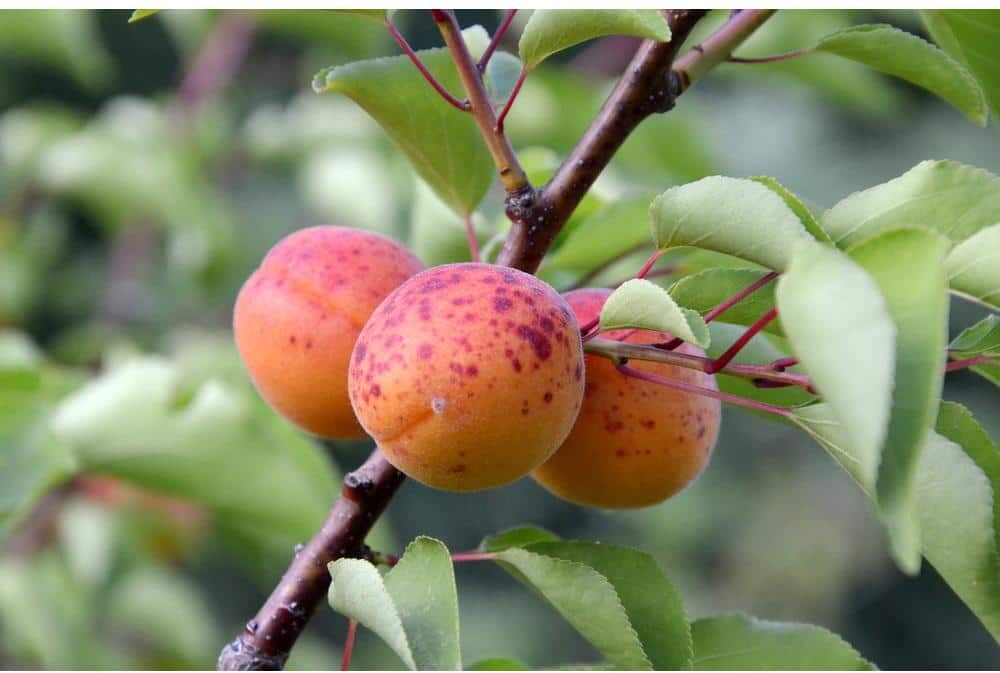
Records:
x=469, y=375
x=297, y=318
x=634, y=443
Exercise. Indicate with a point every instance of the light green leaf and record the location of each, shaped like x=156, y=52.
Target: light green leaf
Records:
x=140, y=14
x=738, y=217
x=741, y=642
x=422, y=586
x=908, y=265
x=413, y=608
x=497, y=664
x=501, y=75
x=551, y=30
x=585, y=599
x=704, y=291
x=901, y=54
x=983, y=338
x=951, y=198
x=958, y=491
x=970, y=36
x=213, y=445
x=840, y=328
x=974, y=267
x=358, y=590
x=652, y=604
x=442, y=143
x=517, y=537
x=795, y=203
x=640, y=304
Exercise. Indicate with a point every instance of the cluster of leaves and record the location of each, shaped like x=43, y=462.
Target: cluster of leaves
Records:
x=617, y=598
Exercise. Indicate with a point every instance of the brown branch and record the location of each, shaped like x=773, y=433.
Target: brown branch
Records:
x=538, y=216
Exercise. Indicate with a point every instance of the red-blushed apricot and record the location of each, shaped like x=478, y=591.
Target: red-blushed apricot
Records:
x=634, y=443
x=297, y=318
x=469, y=375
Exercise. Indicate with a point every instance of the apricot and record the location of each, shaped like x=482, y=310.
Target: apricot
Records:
x=297, y=318
x=634, y=443
x=469, y=375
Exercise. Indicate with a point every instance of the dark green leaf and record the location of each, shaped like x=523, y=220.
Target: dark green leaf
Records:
x=740, y=642
x=983, y=338
x=704, y=291
x=970, y=35
x=901, y=54
x=140, y=14
x=497, y=664
x=551, y=30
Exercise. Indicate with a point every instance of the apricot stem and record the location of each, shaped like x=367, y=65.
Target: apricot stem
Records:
x=470, y=233
x=649, y=263
x=510, y=99
x=719, y=363
x=495, y=42
x=352, y=631
x=955, y=365
x=735, y=400
x=464, y=106
x=771, y=59
x=461, y=557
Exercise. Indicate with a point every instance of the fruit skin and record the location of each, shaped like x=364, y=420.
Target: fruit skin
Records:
x=298, y=316
x=635, y=443
x=469, y=375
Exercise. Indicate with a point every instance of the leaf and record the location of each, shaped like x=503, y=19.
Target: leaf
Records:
x=983, y=338
x=901, y=54
x=497, y=664
x=741, y=642
x=213, y=445
x=640, y=304
x=704, y=291
x=140, y=14
x=908, y=265
x=840, y=328
x=738, y=217
x=951, y=198
x=974, y=267
x=958, y=491
x=652, y=604
x=795, y=203
x=585, y=599
x=68, y=41
x=414, y=608
x=517, y=537
x=610, y=232
x=551, y=30
x=442, y=143
x=501, y=76
x=971, y=37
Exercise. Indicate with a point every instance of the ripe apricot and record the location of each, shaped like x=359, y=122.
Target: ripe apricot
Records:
x=469, y=375
x=634, y=443
x=297, y=318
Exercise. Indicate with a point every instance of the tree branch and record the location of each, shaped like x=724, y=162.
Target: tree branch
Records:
x=538, y=216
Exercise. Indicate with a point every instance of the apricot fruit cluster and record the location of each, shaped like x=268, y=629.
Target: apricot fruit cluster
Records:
x=635, y=443
x=298, y=316
x=469, y=375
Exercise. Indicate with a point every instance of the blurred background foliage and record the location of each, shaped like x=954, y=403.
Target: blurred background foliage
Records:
x=148, y=497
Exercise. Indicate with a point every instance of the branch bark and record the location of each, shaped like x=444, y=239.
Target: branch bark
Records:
x=648, y=87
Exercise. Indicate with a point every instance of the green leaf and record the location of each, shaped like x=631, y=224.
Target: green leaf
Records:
x=974, y=267
x=213, y=445
x=56, y=38
x=551, y=30
x=908, y=265
x=414, y=608
x=971, y=37
x=741, y=642
x=640, y=304
x=737, y=217
x=958, y=491
x=442, y=143
x=951, y=198
x=140, y=14
x=585, y=599
x=501, y=76
x=704, y=291
x=497, y=664
x=983, y=338
x=840, y=328
x=517, y=537
x=652, y=604
x=612, y=231
x=795, y=203
x=901, y=54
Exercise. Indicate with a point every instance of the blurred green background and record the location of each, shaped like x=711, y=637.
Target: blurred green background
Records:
x=129, y=217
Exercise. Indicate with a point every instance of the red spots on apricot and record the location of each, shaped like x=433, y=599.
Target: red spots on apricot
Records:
x=472, y=371
x=502, y=304
x=649, y=423
x=425, y=351
x=516, y=364
x=547, y=397
x=539, y=343
x=293, y=340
